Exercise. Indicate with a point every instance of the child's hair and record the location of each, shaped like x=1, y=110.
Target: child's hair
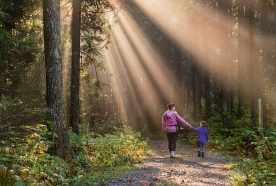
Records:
x=203, y=123
x=170, y=105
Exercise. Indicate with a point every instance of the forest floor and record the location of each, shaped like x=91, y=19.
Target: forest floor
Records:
x=185, y=169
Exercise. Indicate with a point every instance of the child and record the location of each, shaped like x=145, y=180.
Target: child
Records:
x=202, y=138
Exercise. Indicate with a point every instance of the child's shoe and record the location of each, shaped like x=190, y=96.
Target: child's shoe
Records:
x=198, y=153
x=202, y=155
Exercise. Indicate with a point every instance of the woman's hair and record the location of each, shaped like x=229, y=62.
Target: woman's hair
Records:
x=170, y=105
x=203, y=123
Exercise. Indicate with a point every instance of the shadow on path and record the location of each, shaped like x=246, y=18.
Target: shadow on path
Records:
x=186, y=169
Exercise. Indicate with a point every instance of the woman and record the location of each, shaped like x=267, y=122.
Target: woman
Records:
x=169, y=125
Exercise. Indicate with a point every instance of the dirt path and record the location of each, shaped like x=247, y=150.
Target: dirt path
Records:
x=186, y=169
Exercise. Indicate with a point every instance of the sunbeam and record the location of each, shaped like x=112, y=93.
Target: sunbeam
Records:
x=142, y=69
x=200, y=31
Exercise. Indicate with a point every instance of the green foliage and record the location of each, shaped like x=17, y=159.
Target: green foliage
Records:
x=27, y=161
x=217, y=122
x=12, y=12
x=244, y=141
x=16, y=55
x=20, y=32
x=95, y=31
x=15, y=113
x=95, y=34
x=256, y=152
x=255, y=172
x=102, y=126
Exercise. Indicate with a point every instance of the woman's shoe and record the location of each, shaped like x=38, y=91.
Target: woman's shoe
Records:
x=173, y=154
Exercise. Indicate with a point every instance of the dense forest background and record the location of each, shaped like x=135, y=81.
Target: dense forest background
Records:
x=217, y=67
x=222, y=72
x=106, y=65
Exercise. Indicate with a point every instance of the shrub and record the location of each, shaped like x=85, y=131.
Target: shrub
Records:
x=27, y=161
x=255, y=153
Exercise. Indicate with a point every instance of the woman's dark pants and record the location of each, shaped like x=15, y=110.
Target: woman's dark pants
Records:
x=172, y=137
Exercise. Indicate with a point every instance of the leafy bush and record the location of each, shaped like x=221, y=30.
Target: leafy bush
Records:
x=27, y=161
x=257, y=153
x=255, y=172
x=257, y=156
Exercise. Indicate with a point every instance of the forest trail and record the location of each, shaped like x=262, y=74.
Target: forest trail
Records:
x=185, y=169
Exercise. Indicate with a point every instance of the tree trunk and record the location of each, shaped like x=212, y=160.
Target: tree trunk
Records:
x=75, y=63
x=252, y=62
x=195, y=88
x=198, y=94
x=242, y=57
x=53, y=66
x=220, y=97
x=220, y=58
x=1, y=96
x=230, y=75
x=225, y=79
x=264, y=30
x=207, y=95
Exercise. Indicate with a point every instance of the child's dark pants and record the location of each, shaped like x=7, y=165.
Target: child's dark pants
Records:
x=201, y=148
x=172, y=137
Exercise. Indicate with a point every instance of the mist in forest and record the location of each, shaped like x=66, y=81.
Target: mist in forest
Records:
x=175, y=51
x=205, y=57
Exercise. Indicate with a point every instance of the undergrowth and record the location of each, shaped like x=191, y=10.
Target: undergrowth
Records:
x=27, y=161
x=254, y=151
